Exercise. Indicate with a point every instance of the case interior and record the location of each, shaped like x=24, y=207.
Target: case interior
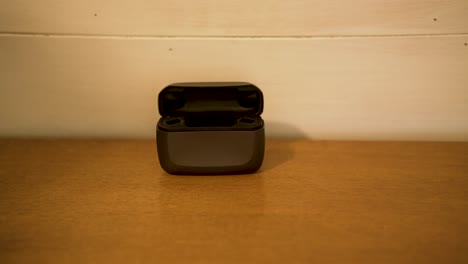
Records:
x=210, y=106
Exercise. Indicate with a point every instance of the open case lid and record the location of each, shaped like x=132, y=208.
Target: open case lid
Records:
x=230, y=98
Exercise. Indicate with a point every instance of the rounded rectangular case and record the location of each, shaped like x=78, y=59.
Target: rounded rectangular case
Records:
x=210, y=128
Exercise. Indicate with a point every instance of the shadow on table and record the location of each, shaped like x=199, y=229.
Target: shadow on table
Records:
x=277, y=151
x=208, y=210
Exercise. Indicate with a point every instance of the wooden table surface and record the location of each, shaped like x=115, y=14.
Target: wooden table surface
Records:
x=108, y=201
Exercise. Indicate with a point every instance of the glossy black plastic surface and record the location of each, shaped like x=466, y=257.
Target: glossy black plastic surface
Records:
x=210, y=128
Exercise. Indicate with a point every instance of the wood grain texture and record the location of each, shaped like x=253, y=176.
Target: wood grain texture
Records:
x=364, y=88
x=235, y=18
x=108, y=201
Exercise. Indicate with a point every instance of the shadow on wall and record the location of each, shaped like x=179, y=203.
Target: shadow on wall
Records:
x=279, y=152
x=279, y=130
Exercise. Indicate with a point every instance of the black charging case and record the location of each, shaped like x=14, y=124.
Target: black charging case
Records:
x=210, y=128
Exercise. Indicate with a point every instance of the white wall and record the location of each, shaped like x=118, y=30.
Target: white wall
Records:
x=368, y=69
